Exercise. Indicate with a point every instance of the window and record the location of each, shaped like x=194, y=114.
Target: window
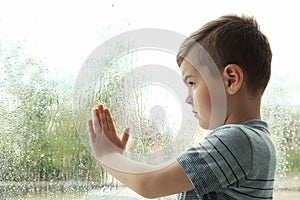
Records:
x=42, y=47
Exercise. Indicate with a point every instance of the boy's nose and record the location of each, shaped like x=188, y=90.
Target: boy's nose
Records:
x=189, y=100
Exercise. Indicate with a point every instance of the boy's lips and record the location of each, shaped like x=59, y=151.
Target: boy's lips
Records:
x=195, y=113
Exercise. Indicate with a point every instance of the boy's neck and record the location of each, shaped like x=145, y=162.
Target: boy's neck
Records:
x=241, y=109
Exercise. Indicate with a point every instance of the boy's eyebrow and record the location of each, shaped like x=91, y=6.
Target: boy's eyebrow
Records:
x=186, y=77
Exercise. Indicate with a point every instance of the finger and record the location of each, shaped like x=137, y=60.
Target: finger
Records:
x=91, y=130
x=106, y=113
x=98, y=116
x=110, y=121
x=125, y=137
x=103, y=121
x=96, y=124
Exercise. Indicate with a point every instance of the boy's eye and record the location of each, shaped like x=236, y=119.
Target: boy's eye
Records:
x=191, y=83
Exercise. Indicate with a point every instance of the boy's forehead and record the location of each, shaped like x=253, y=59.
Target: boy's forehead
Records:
x=199, y=72
x=187, y=69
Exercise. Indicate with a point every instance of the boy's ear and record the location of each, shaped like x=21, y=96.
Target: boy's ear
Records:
x=233, y=78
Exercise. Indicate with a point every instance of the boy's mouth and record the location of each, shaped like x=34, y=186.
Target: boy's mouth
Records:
x=195, y=113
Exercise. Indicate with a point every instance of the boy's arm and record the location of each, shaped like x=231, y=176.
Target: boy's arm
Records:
x=152, y=181
x=160, y=182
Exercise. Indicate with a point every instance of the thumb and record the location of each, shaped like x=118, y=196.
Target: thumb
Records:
x=125, y=137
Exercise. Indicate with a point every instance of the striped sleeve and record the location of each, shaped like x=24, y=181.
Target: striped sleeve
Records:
x=221, y=159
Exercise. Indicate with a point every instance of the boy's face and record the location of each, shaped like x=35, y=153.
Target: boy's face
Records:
x=198, y=94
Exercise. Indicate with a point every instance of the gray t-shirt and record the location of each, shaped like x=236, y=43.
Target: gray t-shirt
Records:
x=235, y=161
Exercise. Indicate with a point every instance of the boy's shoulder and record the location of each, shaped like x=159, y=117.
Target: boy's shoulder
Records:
x=253, y=134
x=249, y=128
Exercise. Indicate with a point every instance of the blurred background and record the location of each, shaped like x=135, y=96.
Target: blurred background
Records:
x=42, y=47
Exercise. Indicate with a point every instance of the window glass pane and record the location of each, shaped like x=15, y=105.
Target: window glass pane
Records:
x=42, y=47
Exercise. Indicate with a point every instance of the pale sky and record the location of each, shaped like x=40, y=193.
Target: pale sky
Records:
x=63, y=33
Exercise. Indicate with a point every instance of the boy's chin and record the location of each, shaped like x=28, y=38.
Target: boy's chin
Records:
x=202, y=124
x=207, y=125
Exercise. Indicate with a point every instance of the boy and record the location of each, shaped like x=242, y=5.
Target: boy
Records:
x=237, y=159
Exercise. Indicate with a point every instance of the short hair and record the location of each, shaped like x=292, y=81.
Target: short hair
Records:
x=231, y=39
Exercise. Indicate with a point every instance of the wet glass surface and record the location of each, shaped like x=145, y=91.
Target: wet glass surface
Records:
x=42, y=154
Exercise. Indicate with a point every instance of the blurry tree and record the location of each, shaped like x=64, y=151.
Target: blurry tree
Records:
x=39, y=141
x=283, y=120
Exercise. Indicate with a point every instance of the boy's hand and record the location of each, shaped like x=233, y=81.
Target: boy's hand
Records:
x=103, y=135
x=108, y=147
